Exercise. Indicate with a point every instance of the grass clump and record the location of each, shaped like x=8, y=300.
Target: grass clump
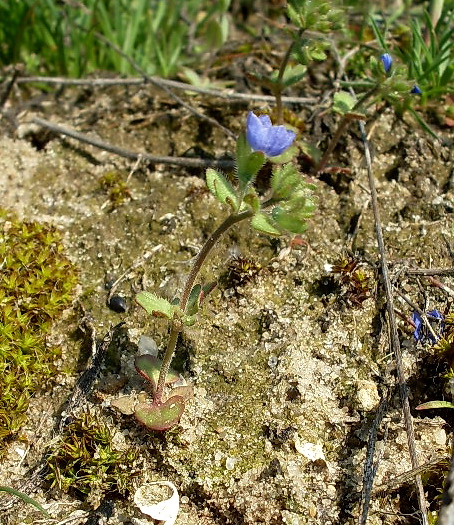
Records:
x=36, y=285
x=85, y=461
x=77, y=38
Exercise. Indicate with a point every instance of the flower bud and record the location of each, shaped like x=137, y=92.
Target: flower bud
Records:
x=387, y=62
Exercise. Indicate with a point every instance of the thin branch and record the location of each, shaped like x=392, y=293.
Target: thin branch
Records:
x=441, y=286
x=175, y=84
x=395, y=343
x=197, y=265
x=397, y=481
x=430, y=271
x=278, y=87
x=9, y=84
x=132, y=155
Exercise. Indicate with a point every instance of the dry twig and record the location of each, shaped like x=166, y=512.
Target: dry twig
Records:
x=132, y=155
x=395, y=344
x=163, y=82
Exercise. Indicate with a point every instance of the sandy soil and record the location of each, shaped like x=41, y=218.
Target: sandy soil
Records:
x=288, y=369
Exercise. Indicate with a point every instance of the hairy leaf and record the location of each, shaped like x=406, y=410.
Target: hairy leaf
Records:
x=263, y=224
x=155, y=305
x=221, y=188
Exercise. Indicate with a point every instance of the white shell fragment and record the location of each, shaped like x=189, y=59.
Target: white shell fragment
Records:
x=310, y=451
x=165, y=510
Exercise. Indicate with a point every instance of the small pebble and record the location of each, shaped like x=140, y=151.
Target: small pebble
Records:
x=230, y=463
x=272, y=361
x=117, y=303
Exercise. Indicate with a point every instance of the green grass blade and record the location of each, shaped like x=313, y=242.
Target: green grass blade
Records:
x=26, y=498
x=378, y=34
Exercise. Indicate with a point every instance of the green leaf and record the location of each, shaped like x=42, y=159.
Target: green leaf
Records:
x=294, y=74
x=289, y=154
x=262, y=223
x=343, y=102
x=26, y=499
x=248, y=162
x=221, y=188
x=155, y=305
x=284, y=181
x=160, y=417
x=289, y=221
x=207, y=289
x=188, y=320
x=311, y=151
x=252, y=199
x=435, y=404
x=149, y=367
x=247, y=172
x=194, y=300
x=243, y=150
x=254, y=162
x=294, y=16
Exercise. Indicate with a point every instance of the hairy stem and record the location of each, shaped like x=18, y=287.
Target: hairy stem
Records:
x=197, y=266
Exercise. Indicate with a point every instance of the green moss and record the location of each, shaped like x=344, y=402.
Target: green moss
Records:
x=115, y=187
x=85, y=462
x=36, y=285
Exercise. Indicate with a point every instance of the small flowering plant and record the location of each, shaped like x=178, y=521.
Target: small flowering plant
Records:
x=286, y=209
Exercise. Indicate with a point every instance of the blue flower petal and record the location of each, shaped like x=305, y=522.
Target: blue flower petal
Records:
x=279, y=139
x=421, y=333
x=256, y=131
x=387, y=61
x=417, y=320
x=263, y=136
x=415, y=90
x=436, y=314
x=265, y=120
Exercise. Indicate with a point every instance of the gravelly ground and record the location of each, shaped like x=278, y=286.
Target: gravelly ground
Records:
x=288, y=370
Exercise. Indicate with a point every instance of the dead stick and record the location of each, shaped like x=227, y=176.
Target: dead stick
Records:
x=395, y=344
x=132, y=155
x=104, y=82
x=430, y=271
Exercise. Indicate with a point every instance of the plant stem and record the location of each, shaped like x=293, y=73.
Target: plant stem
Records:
x=278, y=87
x=345, y=121
x=197, y=266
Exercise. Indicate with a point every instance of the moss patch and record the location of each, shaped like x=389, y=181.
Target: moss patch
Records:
x=36, y=285
x=85, y=461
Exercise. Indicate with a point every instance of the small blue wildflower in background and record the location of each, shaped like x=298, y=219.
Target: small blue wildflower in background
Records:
x=263, y=136
x=415, y=91
x=387, y=62
x=421, y=333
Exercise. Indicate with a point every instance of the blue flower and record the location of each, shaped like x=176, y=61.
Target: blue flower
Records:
x=415, y=90
x=263, y=136
x=417, y=321
x=421, y=333
x=387, y=61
